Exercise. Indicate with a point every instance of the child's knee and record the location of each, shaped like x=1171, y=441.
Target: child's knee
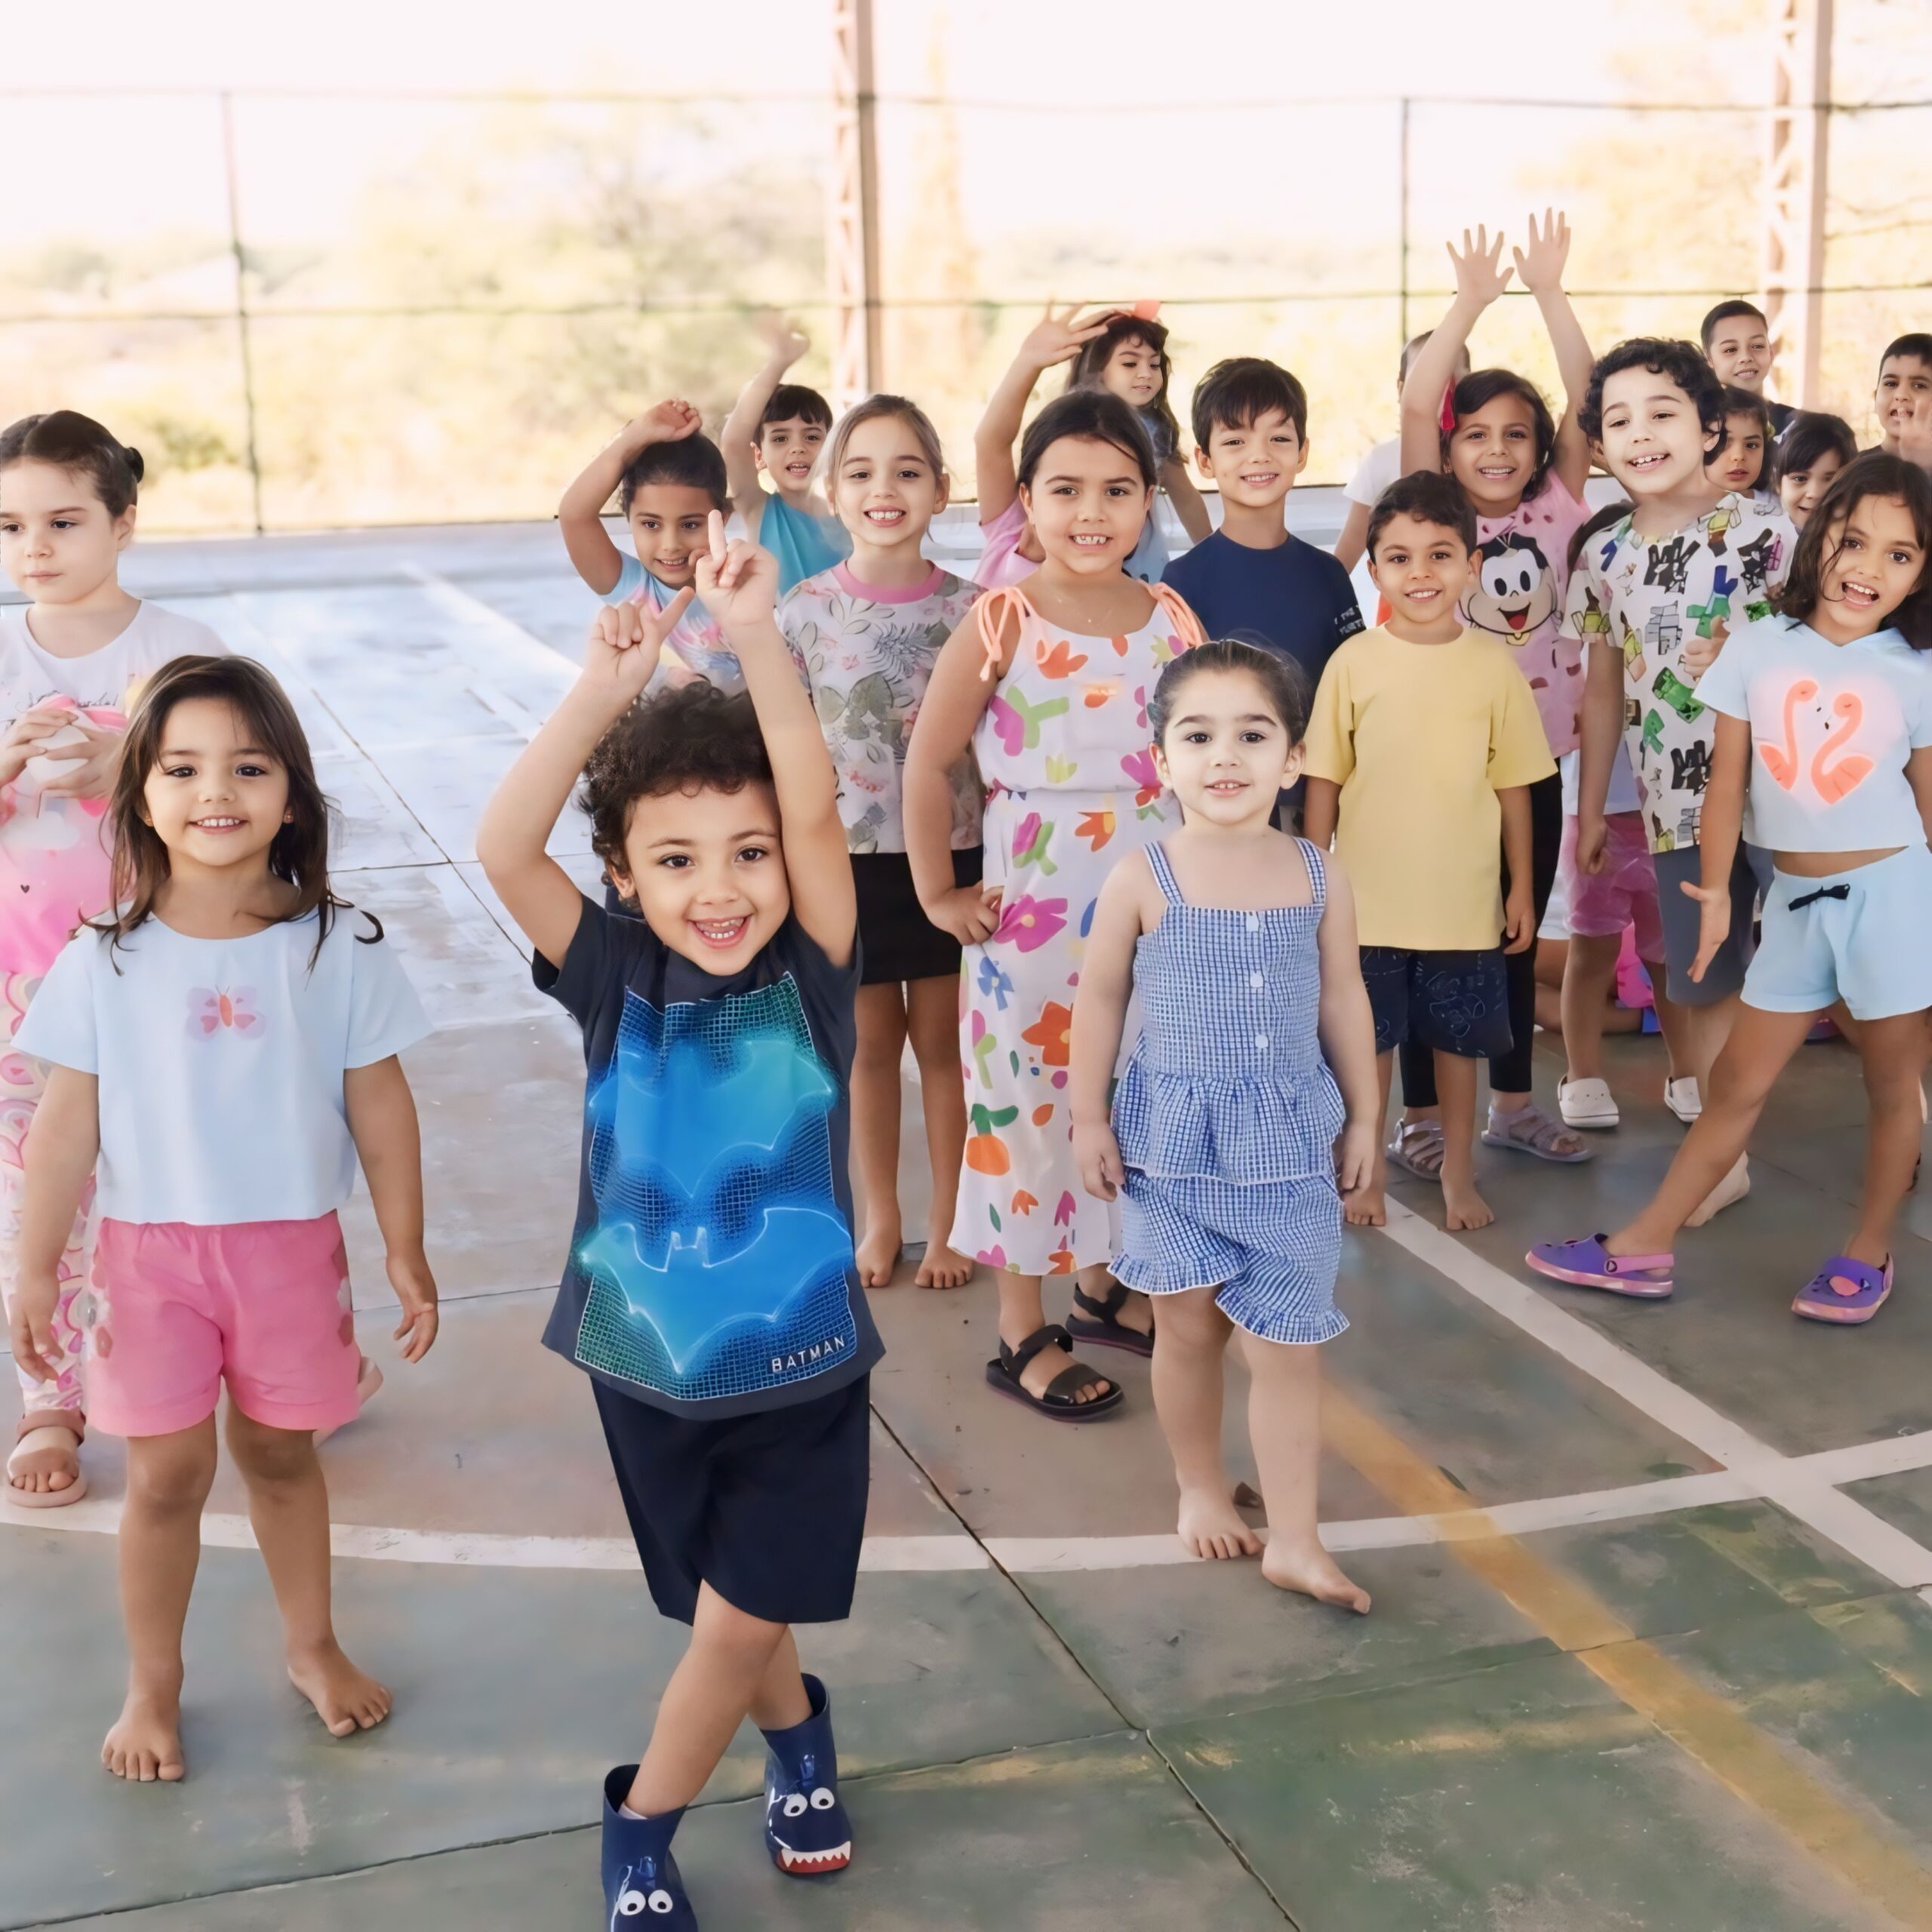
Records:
x=269, y=1458
x=1190, y=1319
x=720, y=1625
x=168, y=1474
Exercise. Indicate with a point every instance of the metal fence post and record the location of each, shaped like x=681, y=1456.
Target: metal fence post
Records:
x=241, y=304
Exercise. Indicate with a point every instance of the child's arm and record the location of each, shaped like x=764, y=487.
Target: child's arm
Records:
x=1185, y=499
x=599, y=562
x=382, y=1124
x=1099, y=1018
x=738, y=438
x=1918, y=775
x=1540, y=266
x=1719, y=828
x=738, y=586
x=619, y=659
x=1348, y=1032
x=63, y=1145
x=1052, y=338
x=1479, y=280
x=1519, y=909
x=1321, y=805
x=1601, y=725
x=942, y=736
x=1354, y=539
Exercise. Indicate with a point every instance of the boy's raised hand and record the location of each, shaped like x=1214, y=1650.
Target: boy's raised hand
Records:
x=1060, y=338
x=738, y=582
x=782, y=336
x=1480, y=276
x=1541, y=264
x=625, y=645
x=668, y=422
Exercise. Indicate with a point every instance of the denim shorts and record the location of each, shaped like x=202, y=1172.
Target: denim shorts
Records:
x=1864, y=936
x=1453, y=1002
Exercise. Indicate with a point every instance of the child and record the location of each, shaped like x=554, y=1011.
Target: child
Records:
x=1814, y=448
x=1738, y=345
x=1653, y=602
x=1523, y=474
x=1737, y=466
x=1843, y=665
x=1424, y=743
x=1250, y=439
x=777, y=428
x=1903, y=400
x=1047, y=685
x=669, y=478
x=710, y=1292
x=70, y=661
x=866, y=634
x=1239, y=944
x=1381, y=466
x=226, y=1043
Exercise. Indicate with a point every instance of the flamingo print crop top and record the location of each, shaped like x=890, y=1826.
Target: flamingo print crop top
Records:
x=1831, y=727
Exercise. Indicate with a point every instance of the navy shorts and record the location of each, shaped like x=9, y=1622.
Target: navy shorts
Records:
x=1454, y=1002
x=767, y=1509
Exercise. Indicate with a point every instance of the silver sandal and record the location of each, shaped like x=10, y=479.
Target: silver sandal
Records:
x=1531, y=1131
x=1413, y=1138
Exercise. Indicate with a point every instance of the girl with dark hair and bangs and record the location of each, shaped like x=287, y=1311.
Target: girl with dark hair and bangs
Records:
x=1824, y=753
x=1523, y=472
x=72, y=660
x=223, y=1041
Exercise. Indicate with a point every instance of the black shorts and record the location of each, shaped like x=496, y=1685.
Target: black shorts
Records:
x=896, y=941
x=1454, y=1002
x=769, y=1509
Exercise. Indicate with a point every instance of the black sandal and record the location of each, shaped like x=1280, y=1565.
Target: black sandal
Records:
x=1098, y=1322
x=1058, y=1400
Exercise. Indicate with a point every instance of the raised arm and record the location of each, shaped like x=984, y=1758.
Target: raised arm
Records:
x=598, y=560
x=784, y=343
x=1099, y=1018
x=1186, y=500
x=1541, y=265
x=738, y=585
x=1052, y=338
x=1354, y=539
x=1480, y=279
x=389, y=1142
x=63, y=1145
x=622, y=653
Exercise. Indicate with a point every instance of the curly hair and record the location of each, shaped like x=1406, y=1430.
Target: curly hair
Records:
x=1680, y=363
x=690, y=737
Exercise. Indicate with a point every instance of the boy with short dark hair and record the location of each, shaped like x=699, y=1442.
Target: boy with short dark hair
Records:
x=710, y=1293
x=1251, y=577
x=1423, y=742
x=1903, y=400
x=1738, y=345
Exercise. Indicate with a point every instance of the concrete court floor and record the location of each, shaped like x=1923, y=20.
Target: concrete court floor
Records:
x=1652, y=1637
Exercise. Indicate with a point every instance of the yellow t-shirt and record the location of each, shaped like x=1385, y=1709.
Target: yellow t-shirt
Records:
x=1421, y=738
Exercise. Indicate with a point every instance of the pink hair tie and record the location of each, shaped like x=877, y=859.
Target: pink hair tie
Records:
x=1146, y=309
x=1448, y=417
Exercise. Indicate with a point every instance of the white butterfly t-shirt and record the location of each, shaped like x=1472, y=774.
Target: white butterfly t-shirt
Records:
x=221, y=1063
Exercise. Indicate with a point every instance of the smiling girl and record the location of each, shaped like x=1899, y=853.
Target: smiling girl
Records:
x=71, y=660
x=1047, y=685
x=1814, y=448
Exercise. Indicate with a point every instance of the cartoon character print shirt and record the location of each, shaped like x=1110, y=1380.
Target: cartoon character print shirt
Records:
x=1522, y=574
x=1831, y=728
x=221, y=1062
x=53, y=850
x=1650, y=597
x=868, y=653
x=710, y=1270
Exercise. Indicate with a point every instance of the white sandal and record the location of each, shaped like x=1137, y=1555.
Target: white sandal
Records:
x=47, y=1436
x=1587, y=1103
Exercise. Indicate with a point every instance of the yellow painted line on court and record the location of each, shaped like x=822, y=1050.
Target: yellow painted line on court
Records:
x=1749, y=1764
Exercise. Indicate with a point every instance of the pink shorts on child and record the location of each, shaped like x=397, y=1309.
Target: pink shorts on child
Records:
x=1624, y=894
x=264, y=1303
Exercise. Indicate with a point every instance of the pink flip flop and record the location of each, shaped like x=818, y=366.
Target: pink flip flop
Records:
x=44, y=1499
x=1588, y=1264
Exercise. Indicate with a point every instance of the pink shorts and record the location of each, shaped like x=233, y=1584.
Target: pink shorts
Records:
x=264, y=1303
x=1624, y=894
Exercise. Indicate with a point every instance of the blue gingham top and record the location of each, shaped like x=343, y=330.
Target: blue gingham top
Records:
x=1227, y=1080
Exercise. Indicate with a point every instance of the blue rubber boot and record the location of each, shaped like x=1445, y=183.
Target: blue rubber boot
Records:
x=641, y=1887
x=805, y=1825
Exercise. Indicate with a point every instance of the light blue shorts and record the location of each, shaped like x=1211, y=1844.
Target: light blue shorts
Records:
x=1863, y=937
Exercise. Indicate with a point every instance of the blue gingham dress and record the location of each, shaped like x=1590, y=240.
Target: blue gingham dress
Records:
x=1227, y=1116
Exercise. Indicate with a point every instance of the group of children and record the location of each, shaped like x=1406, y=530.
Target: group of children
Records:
x=1156, y=862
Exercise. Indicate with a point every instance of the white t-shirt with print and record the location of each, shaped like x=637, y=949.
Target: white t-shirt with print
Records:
x=1831, y=727
x=220, y=1062
x=53, y=850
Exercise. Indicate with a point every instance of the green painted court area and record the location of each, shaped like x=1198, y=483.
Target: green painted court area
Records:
x=1652, y=1640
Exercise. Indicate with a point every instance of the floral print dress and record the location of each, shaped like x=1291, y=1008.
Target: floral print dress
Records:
x=1064, y=751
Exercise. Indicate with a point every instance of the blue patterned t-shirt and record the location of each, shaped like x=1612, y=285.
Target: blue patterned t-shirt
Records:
x=710, y=1270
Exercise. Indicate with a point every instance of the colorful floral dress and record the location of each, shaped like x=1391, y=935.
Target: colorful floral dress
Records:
x=1065, y=753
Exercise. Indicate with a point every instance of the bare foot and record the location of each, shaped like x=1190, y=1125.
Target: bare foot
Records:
x=1314, y=1573
x=1366, y=1207
x=877, y=1253
x=1464, y=1209
x=1732, y=1188
x=347, y=1700
x=1209, y=1526
x=942, y=1266
x=50, y=1468
x=145, y=1744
